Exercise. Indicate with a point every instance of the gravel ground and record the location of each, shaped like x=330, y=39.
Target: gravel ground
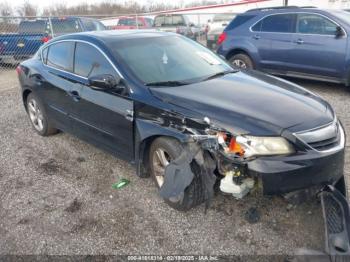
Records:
x=56, y=198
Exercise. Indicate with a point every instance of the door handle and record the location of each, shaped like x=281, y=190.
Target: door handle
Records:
x=75, y=95
x=129, y=115
x=256, y=37
x=300, y=41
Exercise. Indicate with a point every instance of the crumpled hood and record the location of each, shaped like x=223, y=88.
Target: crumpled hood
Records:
x=251, y=102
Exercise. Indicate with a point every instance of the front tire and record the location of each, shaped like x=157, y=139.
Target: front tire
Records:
x=163, y=151
x=38, y=117
x=241, y=61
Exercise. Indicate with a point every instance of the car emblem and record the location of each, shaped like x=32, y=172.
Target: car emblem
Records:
x=20, y=45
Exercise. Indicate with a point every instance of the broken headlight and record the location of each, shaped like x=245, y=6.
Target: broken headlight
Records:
x=264, y=146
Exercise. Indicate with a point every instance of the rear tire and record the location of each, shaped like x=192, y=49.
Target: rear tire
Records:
x=38, y=116
x=241, y=61
x=194, y=194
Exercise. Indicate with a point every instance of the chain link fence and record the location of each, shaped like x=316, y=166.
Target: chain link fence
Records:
x=21, y=37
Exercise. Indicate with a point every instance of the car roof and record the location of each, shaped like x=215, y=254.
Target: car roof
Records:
x=108, y=36
x=284, y=9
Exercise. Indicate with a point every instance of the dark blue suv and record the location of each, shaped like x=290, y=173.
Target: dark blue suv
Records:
x=301, y=42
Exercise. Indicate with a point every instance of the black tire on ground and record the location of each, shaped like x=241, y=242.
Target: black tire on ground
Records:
x=244, y=59
x=194, y=194
x=48, y=129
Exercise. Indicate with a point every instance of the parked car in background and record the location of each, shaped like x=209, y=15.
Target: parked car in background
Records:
x=293, y=41
x=109, y=23
x=15, y=47
x=215, y=27
x=177, y=23
x=129, y=22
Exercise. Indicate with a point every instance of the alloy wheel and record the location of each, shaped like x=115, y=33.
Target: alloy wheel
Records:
x=239, y=63
x=35, y=115
x=160, y=160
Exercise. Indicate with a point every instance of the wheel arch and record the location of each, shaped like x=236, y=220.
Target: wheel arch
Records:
x=253, y=56
x=146, y=133
x=25, y=94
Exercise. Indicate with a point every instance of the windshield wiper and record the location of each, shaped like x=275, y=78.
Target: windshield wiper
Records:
x=219, y=74
x=167, y=83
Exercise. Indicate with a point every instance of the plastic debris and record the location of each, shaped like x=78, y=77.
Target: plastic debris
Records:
x=120, y=184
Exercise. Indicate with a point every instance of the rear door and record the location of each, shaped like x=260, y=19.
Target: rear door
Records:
x=57, y=81
x=104, y=117
x=316, y=48
x=272, y=37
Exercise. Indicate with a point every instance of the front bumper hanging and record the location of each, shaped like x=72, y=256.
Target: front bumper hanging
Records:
x=336, y=215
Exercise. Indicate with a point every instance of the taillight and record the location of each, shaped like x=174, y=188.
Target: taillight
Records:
x=222, y=38
x=45, y=39
x=19, y=70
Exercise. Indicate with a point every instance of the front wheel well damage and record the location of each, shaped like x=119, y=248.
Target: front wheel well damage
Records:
x=144, y=149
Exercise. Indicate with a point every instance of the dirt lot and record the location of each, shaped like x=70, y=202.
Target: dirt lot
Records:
x=56, y=198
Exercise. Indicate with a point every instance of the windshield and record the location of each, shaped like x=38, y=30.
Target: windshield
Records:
x=169, y=20
x=63, y=26
x=168, y=58
x=33, y=27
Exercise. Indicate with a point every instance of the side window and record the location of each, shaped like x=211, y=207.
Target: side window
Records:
x=89, y=61
x=315, y=24
x=60, y=55
x=257, y=26
x=282, y=23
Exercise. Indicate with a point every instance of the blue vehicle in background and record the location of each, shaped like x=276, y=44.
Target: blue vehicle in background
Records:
x=16, y=47
x=304, y=42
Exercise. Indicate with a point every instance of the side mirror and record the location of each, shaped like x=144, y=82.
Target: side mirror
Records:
x=191, y=24
x=339, y=32
x=103, y=82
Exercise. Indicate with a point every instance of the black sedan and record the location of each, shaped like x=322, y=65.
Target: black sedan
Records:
x=184, y=116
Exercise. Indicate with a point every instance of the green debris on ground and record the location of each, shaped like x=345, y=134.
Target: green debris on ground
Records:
x=121, y=183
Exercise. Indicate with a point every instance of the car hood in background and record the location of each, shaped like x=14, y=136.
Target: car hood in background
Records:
x=251, y=103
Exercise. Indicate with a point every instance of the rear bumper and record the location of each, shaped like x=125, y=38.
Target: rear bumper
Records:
x=285, y=174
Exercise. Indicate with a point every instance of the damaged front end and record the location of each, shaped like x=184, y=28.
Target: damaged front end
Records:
x=239, y=163
x=217, y=156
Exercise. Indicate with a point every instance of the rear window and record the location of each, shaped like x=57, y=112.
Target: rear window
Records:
x=60, y=56
x=238, y=21
x=169, y=20
x=34, y=27
x=65, y=26
x=129, y=22
x=282, y=23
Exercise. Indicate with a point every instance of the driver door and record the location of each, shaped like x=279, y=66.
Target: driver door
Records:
x=103, y=117
x=317, y=50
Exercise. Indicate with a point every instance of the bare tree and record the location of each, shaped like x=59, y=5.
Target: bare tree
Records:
x=5, y=9
x=27, y=9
